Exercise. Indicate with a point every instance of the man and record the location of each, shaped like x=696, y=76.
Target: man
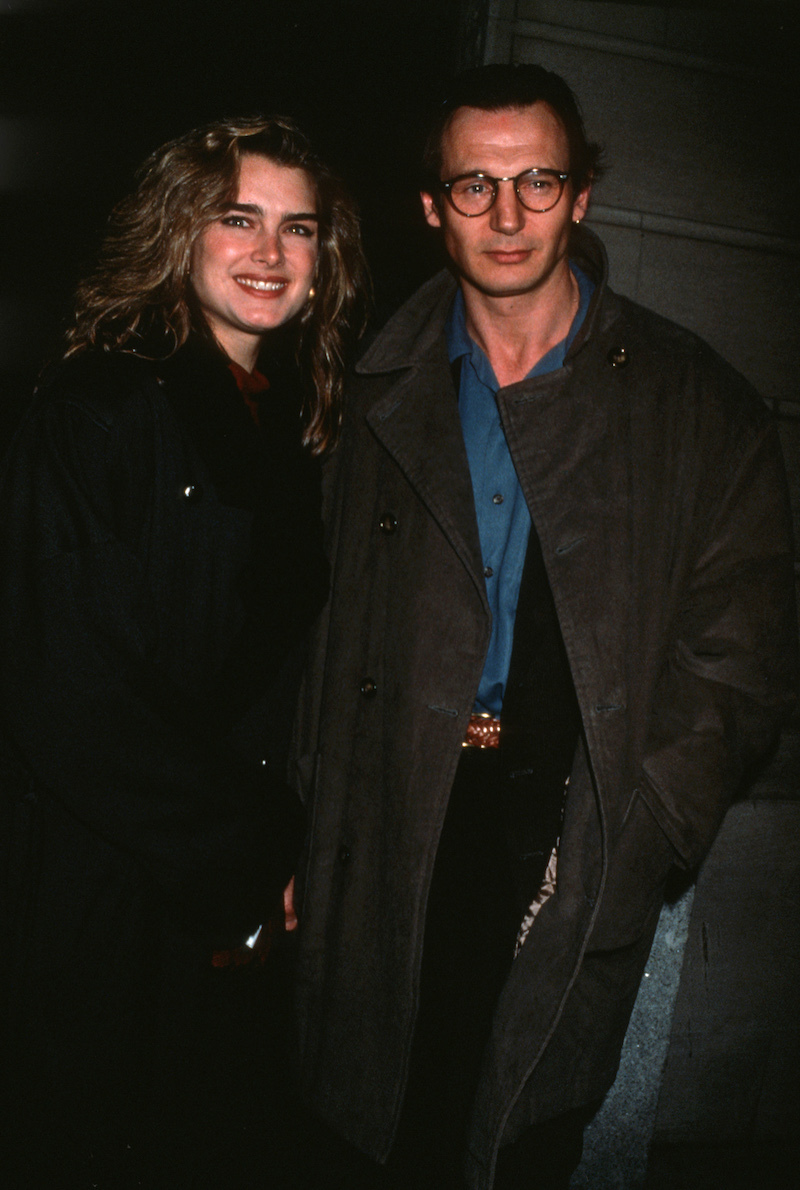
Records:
x=560, y=526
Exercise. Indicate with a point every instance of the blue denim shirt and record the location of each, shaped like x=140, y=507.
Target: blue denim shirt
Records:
x=503, y=518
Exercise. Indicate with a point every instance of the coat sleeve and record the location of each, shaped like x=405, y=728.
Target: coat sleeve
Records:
x=84, y=703
x=729, y=679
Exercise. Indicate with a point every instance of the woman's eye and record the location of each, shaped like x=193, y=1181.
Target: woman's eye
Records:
x=301, y=229
x=235, y=221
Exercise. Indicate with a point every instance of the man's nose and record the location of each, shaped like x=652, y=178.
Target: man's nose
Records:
x=507, y=214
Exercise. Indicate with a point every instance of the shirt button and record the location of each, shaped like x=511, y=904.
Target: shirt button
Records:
x=369, y=687
x=488, y=572
x=618, y=357
x=497, y=498
x=388, y=522
x=192, y=493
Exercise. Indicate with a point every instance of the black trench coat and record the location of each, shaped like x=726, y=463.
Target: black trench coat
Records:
x=655, y=482
x=160, y=562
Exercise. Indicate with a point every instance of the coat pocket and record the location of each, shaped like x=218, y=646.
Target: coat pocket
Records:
x=639, y=861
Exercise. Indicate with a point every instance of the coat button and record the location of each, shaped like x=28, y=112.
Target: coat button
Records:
x=388, y=522
x=344, y=854
x=369, y=687
x=618, y=357
x=192, y=493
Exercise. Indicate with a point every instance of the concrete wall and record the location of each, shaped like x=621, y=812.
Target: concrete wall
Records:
x=692, y=104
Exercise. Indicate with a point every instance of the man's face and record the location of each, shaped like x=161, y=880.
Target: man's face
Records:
x=509, y=250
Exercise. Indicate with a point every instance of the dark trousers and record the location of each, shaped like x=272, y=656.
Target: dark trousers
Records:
x=471, y=924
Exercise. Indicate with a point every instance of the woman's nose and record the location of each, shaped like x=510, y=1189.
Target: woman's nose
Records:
x=268, y=247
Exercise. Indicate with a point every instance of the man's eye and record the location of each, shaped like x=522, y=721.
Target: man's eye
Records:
x=235, y=221
x=472, y=186
x=538, y=185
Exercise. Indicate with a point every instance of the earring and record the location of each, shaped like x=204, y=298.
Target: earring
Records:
x=312, y=293
x=575, y=222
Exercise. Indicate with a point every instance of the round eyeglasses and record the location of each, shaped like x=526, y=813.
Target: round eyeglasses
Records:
x=473, y=194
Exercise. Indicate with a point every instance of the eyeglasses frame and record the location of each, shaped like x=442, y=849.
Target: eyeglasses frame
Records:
x=556, y=173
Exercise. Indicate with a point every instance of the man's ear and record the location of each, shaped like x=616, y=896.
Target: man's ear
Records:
x=581, y=204
x=431, y=210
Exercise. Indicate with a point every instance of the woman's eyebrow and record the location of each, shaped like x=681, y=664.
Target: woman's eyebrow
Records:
x=251, y=208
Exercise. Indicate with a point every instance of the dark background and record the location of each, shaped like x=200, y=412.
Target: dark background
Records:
x=89, y=87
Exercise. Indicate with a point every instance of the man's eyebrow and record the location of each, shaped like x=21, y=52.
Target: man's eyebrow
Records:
x=251, y=208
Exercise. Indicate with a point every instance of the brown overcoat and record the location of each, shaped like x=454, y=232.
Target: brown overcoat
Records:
x=655, y=482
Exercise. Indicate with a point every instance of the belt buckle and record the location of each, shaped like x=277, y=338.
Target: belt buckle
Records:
x=483, y=731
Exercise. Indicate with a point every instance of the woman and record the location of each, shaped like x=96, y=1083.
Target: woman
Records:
x=161, y=563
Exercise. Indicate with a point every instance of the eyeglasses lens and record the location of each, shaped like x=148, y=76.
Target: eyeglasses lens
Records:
x=537, y=190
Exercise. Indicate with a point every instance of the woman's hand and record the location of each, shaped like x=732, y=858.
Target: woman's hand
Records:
x=289, y=915
x=258, y=946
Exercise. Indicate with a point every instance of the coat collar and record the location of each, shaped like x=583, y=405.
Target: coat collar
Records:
x=416, y=327
x=414, y=330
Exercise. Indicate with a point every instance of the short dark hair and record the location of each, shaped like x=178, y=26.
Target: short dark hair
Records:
x=493, y=88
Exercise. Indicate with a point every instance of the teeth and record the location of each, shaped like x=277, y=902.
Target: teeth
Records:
x=263, y=285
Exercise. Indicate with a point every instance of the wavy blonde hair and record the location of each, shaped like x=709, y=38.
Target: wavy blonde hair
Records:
x=141, y=283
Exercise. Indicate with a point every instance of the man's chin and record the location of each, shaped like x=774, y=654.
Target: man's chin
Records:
x=500, y=287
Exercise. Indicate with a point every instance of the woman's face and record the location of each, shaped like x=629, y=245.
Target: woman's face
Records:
x=253, y=267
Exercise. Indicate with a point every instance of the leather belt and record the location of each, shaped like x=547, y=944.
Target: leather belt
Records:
x=483, y=731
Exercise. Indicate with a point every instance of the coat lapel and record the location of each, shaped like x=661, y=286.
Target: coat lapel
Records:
x=565, y=436
x=416, y=420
